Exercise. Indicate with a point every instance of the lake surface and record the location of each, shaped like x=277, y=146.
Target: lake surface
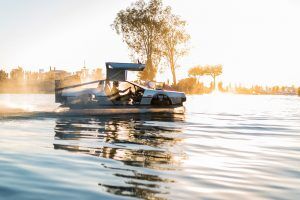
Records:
x=223, y=147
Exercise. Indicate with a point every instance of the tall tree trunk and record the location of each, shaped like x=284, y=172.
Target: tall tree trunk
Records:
x=149, y=72
x=172, y=65
x=173, y=75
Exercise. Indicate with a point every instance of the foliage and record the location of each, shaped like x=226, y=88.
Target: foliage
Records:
x=190, y=86
x=3, y=75
x=17, y=74
x=140, y=26
x=97, y=74
x=32, y=76
x=175, y=41
x=210, y=70
x=196, y=72
x=214, y=71
x=22, y=81
x=220, y=87
x=152, y=32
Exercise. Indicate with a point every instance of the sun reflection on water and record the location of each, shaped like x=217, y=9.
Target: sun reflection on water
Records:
x=224, y=147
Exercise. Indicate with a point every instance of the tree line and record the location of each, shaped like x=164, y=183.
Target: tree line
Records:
x=155, y=36
x=20, y=81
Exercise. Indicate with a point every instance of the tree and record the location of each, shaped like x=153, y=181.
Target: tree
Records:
x=3, y=75
x=175, y=39
x=196, y=72
x=17, y=74
x=140, y=26
x=214, y=71
x=210, y=70
x=31, y=76
x=97, y=74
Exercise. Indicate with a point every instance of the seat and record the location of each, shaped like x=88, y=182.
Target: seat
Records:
x=107, y=89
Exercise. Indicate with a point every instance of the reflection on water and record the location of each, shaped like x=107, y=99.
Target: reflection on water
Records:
x=136, y=142
x=224, y=147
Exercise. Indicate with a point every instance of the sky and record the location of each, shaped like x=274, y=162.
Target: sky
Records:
x=256, y=41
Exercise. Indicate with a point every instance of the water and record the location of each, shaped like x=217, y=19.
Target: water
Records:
x=224, y=147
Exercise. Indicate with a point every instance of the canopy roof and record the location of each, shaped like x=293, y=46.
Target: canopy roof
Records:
x=118, y=71
x=125, y=66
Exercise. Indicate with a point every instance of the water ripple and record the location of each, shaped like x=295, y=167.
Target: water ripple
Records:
x=242, y=147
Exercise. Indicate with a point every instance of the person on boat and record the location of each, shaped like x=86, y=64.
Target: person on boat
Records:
x=116, y=93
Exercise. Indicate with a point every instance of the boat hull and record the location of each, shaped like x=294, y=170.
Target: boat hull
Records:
x=119, y=110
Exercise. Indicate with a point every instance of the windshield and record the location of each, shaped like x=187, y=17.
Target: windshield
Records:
x=138, y=85
x=150, y=85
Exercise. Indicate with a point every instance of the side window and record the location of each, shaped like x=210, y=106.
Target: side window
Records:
x=107, y=88
x=125, y=85
x=101, y=86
